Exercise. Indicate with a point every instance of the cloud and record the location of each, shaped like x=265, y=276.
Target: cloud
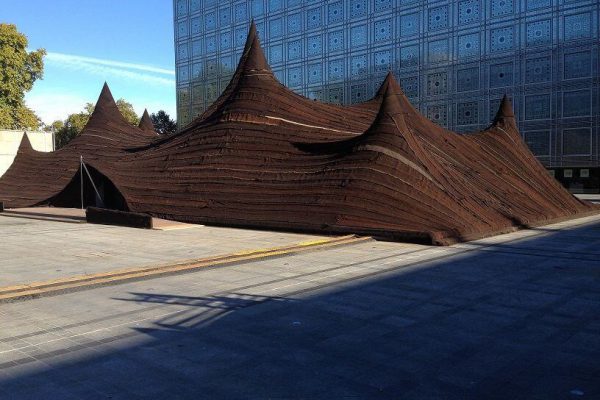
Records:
x=52, y=107
x=139, y=72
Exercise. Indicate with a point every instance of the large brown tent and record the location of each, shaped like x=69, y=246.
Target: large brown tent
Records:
x=263, y=156
x=37, y=178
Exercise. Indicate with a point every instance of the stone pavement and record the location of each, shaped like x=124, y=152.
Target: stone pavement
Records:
x=36, y=250
x=516, y=316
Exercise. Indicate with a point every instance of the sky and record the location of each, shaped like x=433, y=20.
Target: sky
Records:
x=127, y=43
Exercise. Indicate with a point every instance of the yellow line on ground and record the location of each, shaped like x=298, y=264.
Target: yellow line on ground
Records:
x=35, y=289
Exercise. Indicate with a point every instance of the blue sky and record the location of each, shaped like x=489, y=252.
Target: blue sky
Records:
x=127, y=43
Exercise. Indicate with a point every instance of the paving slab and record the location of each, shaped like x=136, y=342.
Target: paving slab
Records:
x=370, y=321
x=34, y=250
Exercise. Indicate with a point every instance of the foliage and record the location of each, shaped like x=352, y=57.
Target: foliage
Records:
x=163, y=124
x=75, y=123
x=19, y=70
x=128, y=112
x=53, y=127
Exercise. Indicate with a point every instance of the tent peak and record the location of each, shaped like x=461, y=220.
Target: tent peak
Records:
x=146, y=122
x=505, y=114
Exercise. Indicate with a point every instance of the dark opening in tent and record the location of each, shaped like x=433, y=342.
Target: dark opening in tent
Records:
x=98, y=191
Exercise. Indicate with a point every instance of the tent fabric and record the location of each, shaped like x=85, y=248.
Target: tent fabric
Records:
x=263, y=156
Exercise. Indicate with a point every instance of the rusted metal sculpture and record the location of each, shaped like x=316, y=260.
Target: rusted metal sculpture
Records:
x=263, y=156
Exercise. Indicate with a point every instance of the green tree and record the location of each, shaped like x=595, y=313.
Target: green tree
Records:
x=163, y=124
x=128, y=112
x=19, y=70
x=75, y=123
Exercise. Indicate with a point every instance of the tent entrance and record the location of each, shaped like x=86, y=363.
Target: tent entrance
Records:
x=89, y=188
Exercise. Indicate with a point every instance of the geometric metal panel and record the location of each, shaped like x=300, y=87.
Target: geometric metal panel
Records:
x=336, y=95
x=502, y=7
x=182, y=29
x=535, y=4
x=314, y=45
x=211, y=44
x=196, y=70
x=438, y=114
x=381, y=5
x=438, y=50
x=358, y=93
x=315, y=73
x=295, y=76
x=577, y=103
x=538, y=70
x=359, y=35
x=276, y=28
x=182, y=51
x=225, y=40
x=294, y=23
x=467, y=79
x=409, y=25
x=276, y=54
x=196, y=26
x=578, y=65
x=409, y=56
x=501, y=75
x=274, y=5
x=358, y=65
x=502, y=39
x=437, y=83
x=410, y=86
x=438, y=18
x=383, y=30
x=336, y=40
x=294, y=50
x=335, y=12
x=358, y=8
x=383, y=60
x=538, y=142
x=577, y=141
x=578, y=26
x=241, y=12
x=183, y=73
x=537, y=107
x=313, y=18
x=210, y=21
x=336, y=69
x=468, y=45
x=468, y=11
x=467, y=113
x=224, y=17
x=539, y=32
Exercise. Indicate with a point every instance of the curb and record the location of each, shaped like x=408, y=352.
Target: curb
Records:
x=83, y=282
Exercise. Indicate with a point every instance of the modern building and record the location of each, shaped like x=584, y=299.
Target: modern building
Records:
x=10, y=140
x=455, y=60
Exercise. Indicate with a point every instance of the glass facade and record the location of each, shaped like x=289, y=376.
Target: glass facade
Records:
x=455, y=59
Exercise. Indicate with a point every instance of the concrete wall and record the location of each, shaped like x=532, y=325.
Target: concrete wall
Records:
x=9, y=144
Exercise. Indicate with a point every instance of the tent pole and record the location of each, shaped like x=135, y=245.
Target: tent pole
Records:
x=81, y=177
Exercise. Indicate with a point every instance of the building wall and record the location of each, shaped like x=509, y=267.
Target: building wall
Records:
x=455, y=59
x=9, y=144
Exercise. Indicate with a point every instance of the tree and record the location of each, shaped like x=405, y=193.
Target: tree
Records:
x=75, y=123
x=128, y=112
x=163, y=124
x=19, y=70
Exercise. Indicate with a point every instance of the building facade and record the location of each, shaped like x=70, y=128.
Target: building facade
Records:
x=455, y=60
x=10, y=141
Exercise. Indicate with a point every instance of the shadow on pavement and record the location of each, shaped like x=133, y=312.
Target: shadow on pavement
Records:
x=491, y=324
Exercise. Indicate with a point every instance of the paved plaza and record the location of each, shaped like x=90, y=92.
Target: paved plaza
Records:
x=515, y=316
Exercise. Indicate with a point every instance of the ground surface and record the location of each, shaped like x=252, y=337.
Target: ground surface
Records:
x=33, y=250
x=512, y=317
